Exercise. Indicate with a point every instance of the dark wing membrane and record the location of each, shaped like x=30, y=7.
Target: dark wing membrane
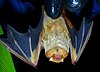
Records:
x=83, y=36
x=79, y=39
x=25, y=46
x=17, y=52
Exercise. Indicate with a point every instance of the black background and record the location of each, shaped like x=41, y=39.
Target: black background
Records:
x=89, y=60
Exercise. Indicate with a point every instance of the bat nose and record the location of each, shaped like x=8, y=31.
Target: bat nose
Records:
x=58, y=57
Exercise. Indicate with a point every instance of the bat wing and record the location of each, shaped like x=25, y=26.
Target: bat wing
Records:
x=79, y=39
x=26, y=46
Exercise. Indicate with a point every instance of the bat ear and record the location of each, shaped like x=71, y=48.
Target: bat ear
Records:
x=79, y=39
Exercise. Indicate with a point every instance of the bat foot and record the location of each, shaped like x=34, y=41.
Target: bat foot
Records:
x=74, y=62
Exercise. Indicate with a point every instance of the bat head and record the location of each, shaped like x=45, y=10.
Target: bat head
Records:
x=56, y=54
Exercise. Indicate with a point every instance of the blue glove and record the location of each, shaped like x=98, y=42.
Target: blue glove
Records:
x=96, y=8
x=75, y=5
x=21, y=6
x=98, y=1
x=53, y=8
x=1, y=3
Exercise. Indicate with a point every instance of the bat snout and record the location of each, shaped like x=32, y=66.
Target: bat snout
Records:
x=56, y=54
x=57, y=58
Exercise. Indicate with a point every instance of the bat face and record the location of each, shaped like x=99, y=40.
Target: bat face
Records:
x=55, y=39
x=56, y=54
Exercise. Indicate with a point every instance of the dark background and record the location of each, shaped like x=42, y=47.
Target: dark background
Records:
x=89, y=60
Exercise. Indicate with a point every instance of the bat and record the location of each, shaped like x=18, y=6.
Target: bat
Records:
x=57, y=36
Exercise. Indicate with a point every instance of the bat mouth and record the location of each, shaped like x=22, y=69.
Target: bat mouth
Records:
x=57, y=58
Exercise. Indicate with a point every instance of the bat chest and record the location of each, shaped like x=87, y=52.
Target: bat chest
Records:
x=55, y=39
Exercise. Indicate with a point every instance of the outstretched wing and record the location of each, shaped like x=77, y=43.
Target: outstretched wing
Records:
x=26, y=46
x=79, y=39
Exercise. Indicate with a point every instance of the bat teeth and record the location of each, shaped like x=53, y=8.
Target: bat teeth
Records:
x=51, y=59
x=62, y=60
x=56, y=59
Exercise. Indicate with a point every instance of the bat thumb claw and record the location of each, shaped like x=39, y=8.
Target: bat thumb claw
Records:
x=73, y=62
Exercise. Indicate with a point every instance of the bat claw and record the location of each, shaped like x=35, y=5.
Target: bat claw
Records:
x=73, y=62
